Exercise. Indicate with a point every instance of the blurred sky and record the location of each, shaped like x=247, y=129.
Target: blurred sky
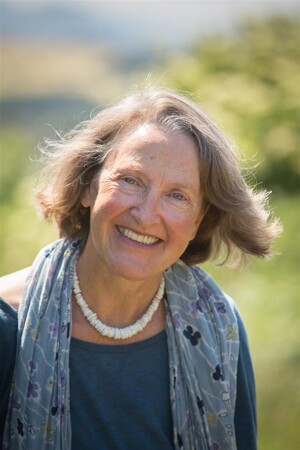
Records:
x=168, y=24
x=59, y=58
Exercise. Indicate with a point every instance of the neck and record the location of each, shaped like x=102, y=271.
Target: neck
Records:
x=117, y=301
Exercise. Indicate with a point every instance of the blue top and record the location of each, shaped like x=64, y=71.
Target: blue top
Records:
x=120, y=393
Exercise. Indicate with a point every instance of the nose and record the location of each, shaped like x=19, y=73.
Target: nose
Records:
x=146, y=211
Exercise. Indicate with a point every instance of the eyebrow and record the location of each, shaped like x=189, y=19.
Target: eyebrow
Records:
x=185, y=185
x=134, y=168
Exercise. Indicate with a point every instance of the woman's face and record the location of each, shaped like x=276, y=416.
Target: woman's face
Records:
x=145, y=206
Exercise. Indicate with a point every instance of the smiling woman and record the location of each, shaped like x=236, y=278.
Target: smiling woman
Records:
x=119, y=334
x=145, y=205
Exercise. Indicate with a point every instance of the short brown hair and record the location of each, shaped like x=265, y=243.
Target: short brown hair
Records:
x=236, y=216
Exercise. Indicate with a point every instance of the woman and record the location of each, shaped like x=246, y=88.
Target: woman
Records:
x=122, y=342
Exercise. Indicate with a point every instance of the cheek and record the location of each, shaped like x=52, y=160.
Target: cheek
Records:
x=183, y=231
x=108, y=205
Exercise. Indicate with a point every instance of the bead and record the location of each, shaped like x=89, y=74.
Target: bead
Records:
x=113, y=332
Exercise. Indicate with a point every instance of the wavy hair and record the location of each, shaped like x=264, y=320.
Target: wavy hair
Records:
x=236, y=223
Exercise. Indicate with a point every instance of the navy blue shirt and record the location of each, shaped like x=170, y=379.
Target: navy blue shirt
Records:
x=120, y=394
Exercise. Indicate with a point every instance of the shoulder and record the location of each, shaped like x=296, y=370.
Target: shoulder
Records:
x=8, y=337
x=8, y=322
x=8, y=345
x=11, y=286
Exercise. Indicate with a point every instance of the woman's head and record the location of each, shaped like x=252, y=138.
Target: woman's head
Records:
x=145, y=205
x=233, y=215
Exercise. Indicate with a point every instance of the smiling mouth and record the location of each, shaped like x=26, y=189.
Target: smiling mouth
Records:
x=142, y=239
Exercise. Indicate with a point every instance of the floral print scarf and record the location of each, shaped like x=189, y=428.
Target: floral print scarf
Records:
x=203, y=354
x=203, y=351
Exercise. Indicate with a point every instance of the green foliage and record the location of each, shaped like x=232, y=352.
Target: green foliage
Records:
x=250, y=83
x=14, y=151
x=22, y=232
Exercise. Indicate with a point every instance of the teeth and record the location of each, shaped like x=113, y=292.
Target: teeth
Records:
x=147, y=240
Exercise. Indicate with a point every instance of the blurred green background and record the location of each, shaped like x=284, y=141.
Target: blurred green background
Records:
x=247, y=78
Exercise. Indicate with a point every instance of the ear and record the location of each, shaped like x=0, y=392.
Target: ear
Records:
x=198, y=221
x=196, y=227
x=86, y=198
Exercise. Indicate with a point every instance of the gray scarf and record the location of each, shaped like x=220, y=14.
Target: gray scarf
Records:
x=203, y=351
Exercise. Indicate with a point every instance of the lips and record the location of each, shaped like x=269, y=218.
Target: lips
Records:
x=142, y=239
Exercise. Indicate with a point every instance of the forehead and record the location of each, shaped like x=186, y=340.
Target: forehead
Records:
x=150, y=143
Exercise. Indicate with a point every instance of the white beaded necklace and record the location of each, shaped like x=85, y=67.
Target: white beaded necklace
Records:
x=112, y=332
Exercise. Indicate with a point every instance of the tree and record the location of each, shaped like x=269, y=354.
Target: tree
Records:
x=249, y=82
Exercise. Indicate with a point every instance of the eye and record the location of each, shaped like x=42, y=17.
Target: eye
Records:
x=129, y=180
x=178, y=196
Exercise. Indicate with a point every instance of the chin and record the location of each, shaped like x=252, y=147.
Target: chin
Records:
x=136, y=272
